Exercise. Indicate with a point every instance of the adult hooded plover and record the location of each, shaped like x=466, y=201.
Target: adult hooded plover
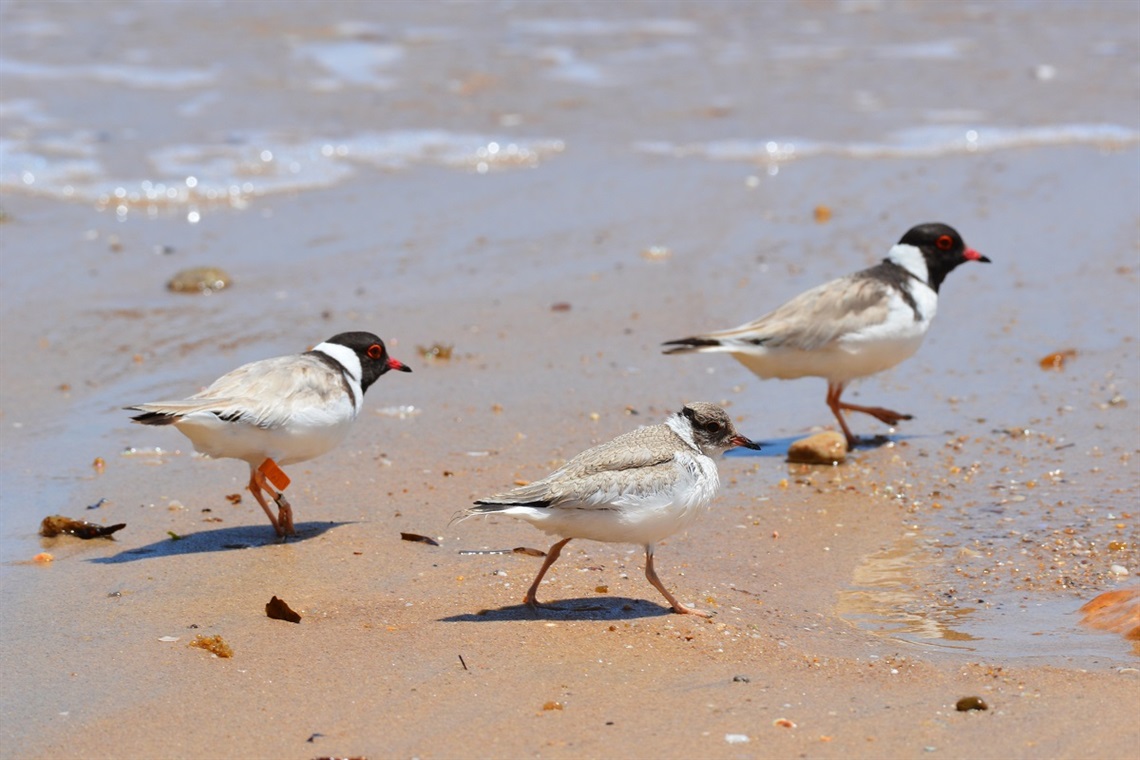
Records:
x=851, y=327
x=276, y=412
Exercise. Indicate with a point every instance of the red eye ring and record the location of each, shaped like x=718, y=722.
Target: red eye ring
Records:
x=944, y=243
x=375, y=351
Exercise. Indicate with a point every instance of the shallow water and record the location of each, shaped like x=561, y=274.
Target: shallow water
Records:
x=451, y=171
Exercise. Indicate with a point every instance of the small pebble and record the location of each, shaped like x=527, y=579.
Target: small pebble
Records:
x=199, y=280
x=828, y=447
x=965, y=704
x=737, y=738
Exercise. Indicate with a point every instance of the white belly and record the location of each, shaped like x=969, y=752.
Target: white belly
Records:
x=628, y=518
x=299, y=440
x=841, y=361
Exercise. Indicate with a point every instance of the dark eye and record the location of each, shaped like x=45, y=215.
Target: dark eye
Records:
x=375, y=351
x=944, y=243
x=713, y=427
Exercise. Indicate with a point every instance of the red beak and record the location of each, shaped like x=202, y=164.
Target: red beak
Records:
x=397, y=364
x=972, y=255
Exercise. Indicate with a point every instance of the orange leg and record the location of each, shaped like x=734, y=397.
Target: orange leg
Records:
x=651, y=575
x=886, y=416
x=531, y=598
x=256, y=489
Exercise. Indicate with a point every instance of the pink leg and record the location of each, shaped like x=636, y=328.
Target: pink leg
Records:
x=531, y=598
x=834, y=390
x=886, y=416
x=651, y=574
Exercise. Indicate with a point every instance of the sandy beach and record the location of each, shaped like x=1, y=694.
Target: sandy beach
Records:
x=551, y=191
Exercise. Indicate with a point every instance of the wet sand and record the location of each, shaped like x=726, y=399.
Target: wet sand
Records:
x=855, y=604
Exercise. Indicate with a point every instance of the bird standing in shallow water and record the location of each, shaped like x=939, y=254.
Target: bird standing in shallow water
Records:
x=276, y=412
x=639, y=488
x=851, y=327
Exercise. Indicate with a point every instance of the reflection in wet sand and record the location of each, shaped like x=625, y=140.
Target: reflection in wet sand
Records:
x=886, y=592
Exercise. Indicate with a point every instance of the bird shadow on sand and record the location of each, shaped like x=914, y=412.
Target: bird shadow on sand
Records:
x=777, y=448
x=584, y=608
x=217, y=540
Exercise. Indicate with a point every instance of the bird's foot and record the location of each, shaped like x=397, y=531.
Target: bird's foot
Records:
x=284, y=516
x=534, y=604
x=886, y=416
x=681, y=609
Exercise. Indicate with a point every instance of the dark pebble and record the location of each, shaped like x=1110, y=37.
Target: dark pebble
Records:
x=965, y=704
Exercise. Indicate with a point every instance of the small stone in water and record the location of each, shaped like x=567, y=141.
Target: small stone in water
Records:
x=828, y=447
x=1057, y=359
x=199, y=280
x=965, y=704
x=441, y=351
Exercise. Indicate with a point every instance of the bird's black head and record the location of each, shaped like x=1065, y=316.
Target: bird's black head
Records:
x=373, y=355
x=942, y=248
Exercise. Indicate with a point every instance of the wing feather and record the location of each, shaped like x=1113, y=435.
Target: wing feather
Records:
x=261, y=393
x=809, y=321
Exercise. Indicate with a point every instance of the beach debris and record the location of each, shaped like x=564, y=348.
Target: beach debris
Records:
x=43, y=558
x=1056, y=360
x=737, y=738
x=1116, y=400
x=233, y=498
x=56, y=524
x=440, y=351
x=560, y=306
x=517, y=550
x=656, y=253
x=173, y=536
x=421, y=539
x=461, y=662
x=97, y=504
x=965, y=704
x=822, y=214
x=601, y=589
x=399, y=411
x=783, y=723
x=99, y=464
x=168, y=639
x=314, y=737
x=279, y=610
x=1115, y=611
x=741, y=679
x=552, y=706
x=199, y=280
x=216, y=645
x=828, y=447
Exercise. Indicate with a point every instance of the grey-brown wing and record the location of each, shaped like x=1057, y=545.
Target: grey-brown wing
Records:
x=814, y=318
x=265, y=393
x=604, y=470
